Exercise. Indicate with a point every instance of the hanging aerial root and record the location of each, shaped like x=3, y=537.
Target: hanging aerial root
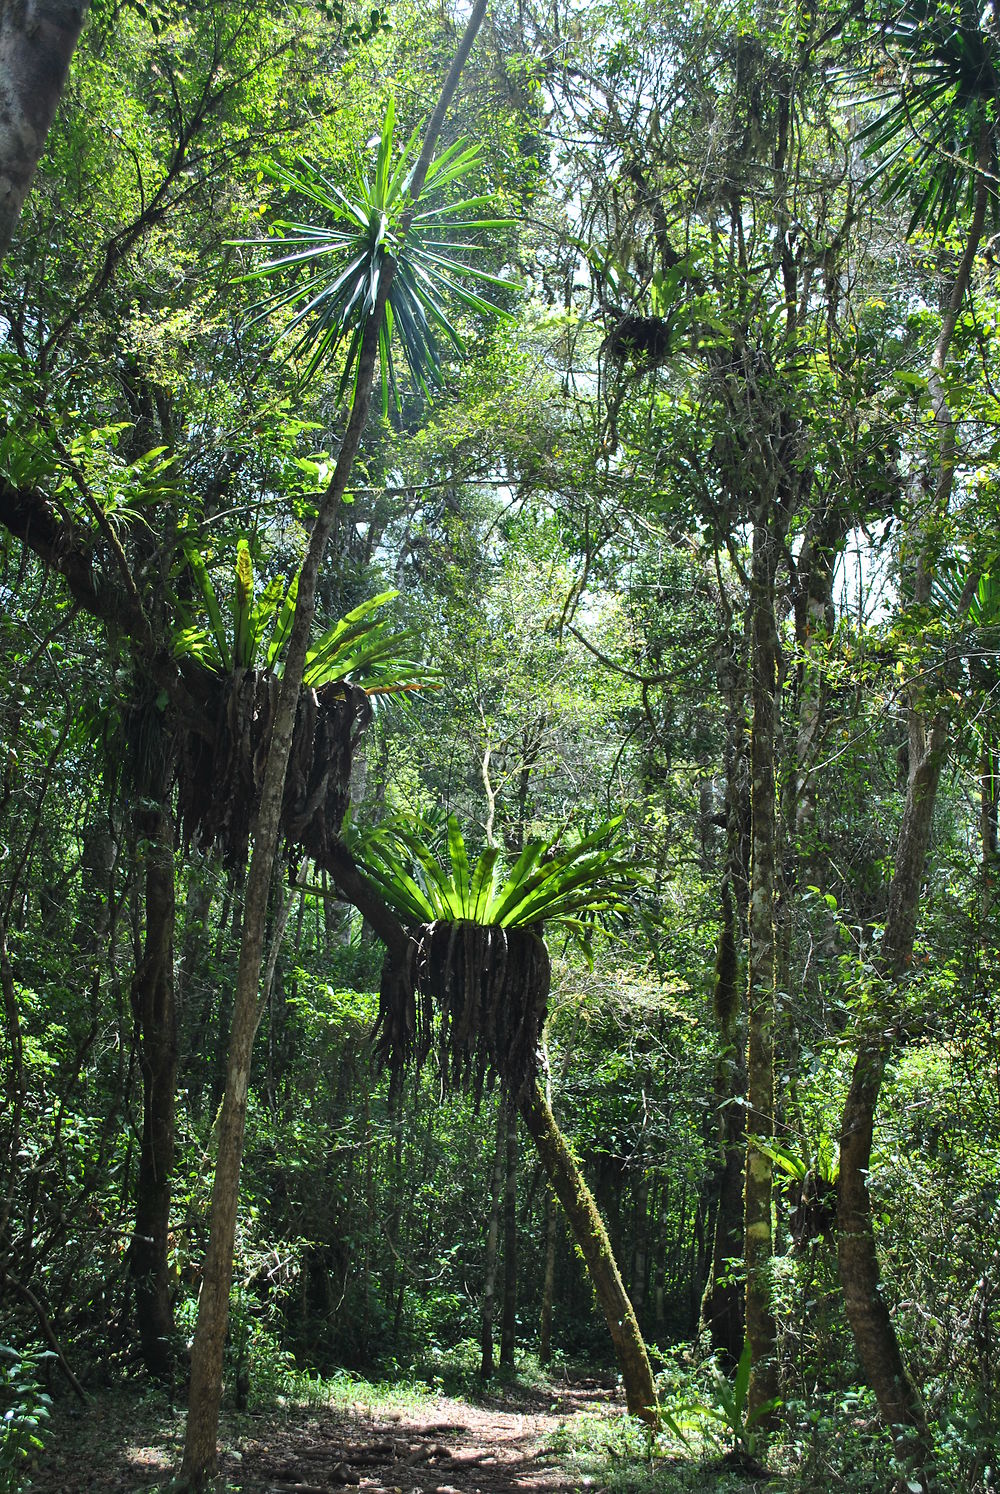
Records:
x=476, y=995
x=222, y=749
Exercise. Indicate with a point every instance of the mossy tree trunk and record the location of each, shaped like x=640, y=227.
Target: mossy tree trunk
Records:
x=592, y=1238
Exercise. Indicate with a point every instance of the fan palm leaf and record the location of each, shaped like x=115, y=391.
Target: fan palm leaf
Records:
x=938, y=79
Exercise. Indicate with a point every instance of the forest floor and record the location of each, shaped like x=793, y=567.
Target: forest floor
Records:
x=522, y=1440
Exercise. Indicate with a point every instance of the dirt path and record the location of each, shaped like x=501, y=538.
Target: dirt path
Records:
x=442, y=1447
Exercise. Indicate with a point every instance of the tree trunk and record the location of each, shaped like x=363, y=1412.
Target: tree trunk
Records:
x=860, y=1277
x=213, y=1308
x=640, y=1249
x=492, y=1242
x=156, y=1019
x=722, y=1303
x=759, y=1244
x=37, y=38
x=592, y=1238
x=508, y=1325
x=549, y=1283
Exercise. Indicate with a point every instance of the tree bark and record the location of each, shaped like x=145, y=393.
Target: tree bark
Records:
x=759, y=1242
x=213, y=1309
x=722, y=1303
x=37, y=38
x=492, y=1244
x=508, y=1324
x=595, y=1247
x=156, y=1019
x=549, y=1282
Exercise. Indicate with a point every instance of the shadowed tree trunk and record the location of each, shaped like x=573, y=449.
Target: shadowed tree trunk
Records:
x=508, y=1325
x=759, y=1243
x=37, y=38
x=595, y=1247
x=156, y=1019
x=549, y=1282
x=492, y=1245
x=722, y=1304
x=860, y=1276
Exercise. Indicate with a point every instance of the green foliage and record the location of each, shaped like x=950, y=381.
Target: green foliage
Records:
x=336, y=293
x=728, y=1404
x=937, y=65
x=572, y=887
x=360, y=649
x=24, y=1408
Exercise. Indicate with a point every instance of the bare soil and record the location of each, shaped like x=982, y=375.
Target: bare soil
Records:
x=121, y=1444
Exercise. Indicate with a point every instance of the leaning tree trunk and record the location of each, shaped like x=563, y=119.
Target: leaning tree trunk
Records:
x=759, y=1243
x=37, y=38
x=213, y=1308
x=867, y=1312
x=860, y=1277
x=156, y=1021
x=592, y=1238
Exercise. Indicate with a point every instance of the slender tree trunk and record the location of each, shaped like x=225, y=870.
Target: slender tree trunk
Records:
x=213, y=1308
x=722, y=1305
x=156, y=1019
x=640, y=1249
x=759, y=1245
x=722, y=1302
x=508, y=1324
x=37, y=38
x=549, y=1282
x=492, y=1244
x=595, y=1247
x=868, y=1314
x=860, y=1276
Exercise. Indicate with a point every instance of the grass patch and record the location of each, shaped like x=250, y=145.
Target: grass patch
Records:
x=620, y=1455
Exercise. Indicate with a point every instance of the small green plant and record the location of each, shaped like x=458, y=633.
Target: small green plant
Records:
x=728, y=1406
x=25, y=1410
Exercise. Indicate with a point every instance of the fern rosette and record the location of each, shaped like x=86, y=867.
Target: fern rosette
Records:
x=477, y=975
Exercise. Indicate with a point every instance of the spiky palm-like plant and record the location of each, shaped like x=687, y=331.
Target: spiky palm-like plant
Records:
x=330, y=271
x=936, y=82
x=478, y=965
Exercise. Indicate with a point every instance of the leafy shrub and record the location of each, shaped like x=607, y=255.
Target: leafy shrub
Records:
x=25, y=1410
